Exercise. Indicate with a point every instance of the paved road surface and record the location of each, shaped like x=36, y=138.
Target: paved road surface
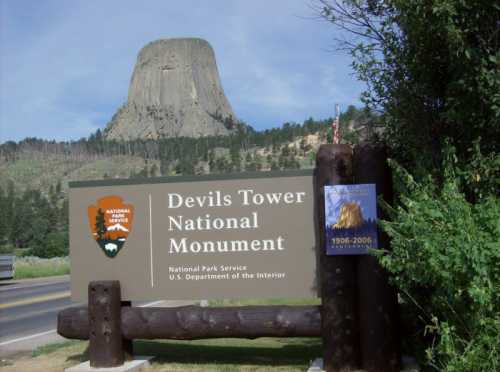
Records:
x=28, y=312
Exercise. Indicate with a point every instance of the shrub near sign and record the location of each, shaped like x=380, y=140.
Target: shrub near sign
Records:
x=194, y=238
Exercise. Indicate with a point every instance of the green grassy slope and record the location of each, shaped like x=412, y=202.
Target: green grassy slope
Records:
x=40, y=172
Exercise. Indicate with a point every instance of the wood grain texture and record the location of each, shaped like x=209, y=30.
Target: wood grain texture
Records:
x=104, y=317
x=339, y=315
x=379, y=320
x=195, y=322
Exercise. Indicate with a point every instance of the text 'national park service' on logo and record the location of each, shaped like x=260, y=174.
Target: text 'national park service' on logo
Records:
x=111, y=222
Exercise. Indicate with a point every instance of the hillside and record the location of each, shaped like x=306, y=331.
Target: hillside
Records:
x=39, y=171
x=34, y=173
x=36, y=170
x=39, y=164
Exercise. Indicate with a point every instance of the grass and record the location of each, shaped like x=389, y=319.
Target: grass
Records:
x=39, y=171
x=35, y=267
x=214, y=355
x=217, y=355
x=264, y=354
x=50, y=348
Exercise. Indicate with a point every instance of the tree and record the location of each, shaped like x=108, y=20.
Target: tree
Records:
x=4, y=224
x=431, y=70
x=211, y=161
x=100, y=224
x=164, y=166
x=154, y=170
x=235, y=158
x=269, y=159
x=55, y=244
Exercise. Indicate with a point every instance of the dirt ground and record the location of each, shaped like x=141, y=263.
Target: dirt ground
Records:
x=57, y=360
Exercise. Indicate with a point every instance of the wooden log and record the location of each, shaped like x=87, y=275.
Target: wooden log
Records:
x=195, y=322
x=379, y=318
x=339, y=316
x=73, y=323
x=104, y=317
x=128, y=345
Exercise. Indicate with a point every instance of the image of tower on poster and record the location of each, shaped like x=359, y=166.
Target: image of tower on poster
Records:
x=351, y=219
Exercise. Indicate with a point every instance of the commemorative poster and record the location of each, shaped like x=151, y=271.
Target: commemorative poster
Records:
x=351, y=219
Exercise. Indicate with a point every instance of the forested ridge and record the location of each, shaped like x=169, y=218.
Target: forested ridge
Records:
x=34, y=214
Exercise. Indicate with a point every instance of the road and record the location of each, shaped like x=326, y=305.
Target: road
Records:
x=28, y=312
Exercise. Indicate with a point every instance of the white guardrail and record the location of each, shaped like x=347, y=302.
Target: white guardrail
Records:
x=7, y=266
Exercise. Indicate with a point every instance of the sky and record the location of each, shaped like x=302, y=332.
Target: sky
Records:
x=65, y=66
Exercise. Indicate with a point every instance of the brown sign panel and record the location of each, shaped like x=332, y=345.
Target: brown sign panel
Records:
x=242, y=236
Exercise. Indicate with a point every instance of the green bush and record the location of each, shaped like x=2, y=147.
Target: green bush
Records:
x=55, y=244
x=6, y=249
x=445, y=262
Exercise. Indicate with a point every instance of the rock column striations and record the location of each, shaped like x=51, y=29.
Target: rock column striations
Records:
x=175, y=91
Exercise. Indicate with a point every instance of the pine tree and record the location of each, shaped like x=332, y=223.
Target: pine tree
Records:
x=153, y=171
x=100, y=224
x=3, y=219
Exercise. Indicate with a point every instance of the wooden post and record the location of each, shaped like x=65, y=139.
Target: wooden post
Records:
x=128, y=345
x=106, y=342
x=378, y=313
x=339, y=318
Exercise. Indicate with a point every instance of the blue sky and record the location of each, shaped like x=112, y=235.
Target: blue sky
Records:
x=65, y=66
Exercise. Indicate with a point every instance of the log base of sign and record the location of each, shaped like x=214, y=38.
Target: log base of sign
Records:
x=195, y=322
x=128, y=345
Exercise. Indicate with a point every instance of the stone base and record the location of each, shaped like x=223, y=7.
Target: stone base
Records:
x=137, y=364
x=316, y=365
x=409, y=364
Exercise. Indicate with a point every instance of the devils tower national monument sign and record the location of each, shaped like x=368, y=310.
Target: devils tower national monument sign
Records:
x=175, y=91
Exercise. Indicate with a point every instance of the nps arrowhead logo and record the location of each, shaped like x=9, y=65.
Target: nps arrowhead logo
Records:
x=111, y=222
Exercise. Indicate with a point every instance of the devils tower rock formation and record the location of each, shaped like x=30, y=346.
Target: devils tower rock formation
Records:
x=175, y=91
x=350, y=217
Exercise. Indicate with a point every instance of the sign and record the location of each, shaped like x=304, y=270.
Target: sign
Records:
x=250, y=235
x=351, y=219
x=110, y=223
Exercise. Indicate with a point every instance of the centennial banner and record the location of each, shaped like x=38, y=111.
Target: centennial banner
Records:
x=250, y=235
x=351, y=219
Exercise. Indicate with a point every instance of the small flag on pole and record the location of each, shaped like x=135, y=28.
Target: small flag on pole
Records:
x=336, y=126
